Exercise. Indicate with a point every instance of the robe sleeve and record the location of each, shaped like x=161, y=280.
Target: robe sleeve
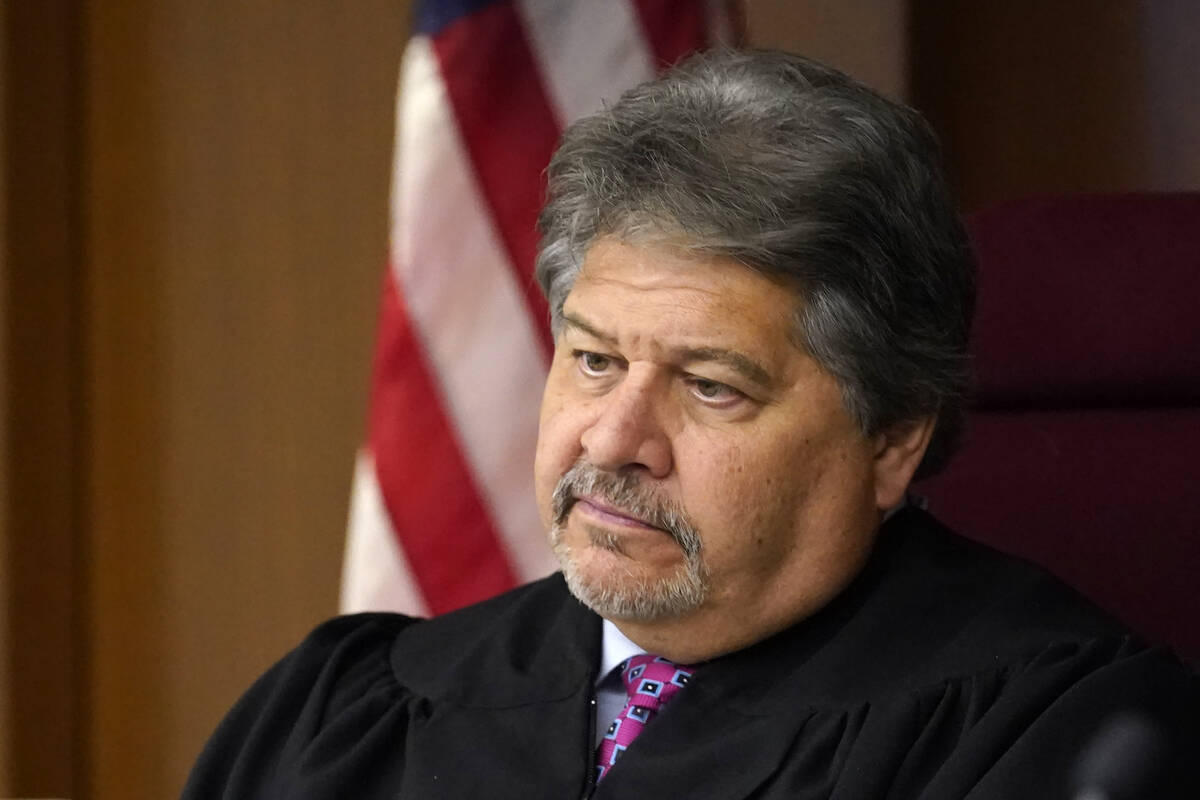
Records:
x=1030, y=744
x=317, y=717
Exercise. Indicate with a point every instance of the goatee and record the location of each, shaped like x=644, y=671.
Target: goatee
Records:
x=628, y=596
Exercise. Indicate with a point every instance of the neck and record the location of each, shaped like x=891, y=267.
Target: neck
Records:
x=716, y=629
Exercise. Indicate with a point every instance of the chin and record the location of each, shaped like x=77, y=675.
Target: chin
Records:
x=598, y=579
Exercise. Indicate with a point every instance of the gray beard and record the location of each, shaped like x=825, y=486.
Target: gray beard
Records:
x=629, y=598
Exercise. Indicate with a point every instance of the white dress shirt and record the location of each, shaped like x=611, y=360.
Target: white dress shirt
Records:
x=610, y=689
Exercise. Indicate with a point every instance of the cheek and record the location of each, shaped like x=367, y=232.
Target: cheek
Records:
x=735, y=474
x=722, y=488
x=751, y=501
x=557, y=448
x=758, y=509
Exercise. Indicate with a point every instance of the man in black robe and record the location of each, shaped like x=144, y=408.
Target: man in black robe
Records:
x=761, y=297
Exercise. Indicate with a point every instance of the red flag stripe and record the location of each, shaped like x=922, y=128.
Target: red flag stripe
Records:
x=466, y=310
x=445, y=530
x=509, y=128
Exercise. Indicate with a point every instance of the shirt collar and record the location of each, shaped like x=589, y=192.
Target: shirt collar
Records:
x=615, y=647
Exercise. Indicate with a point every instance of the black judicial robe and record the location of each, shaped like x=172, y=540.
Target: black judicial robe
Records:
x=945, y=671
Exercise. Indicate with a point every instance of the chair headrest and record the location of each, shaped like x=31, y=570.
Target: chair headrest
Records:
x=1089, y=301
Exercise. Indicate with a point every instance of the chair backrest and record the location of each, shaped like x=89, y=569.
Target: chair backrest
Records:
x=1083, y=451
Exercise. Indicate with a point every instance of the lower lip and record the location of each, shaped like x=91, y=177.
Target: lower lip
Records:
x=613, y=518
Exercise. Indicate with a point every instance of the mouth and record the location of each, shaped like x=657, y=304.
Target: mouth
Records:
x=620, y=507
x=611, y=514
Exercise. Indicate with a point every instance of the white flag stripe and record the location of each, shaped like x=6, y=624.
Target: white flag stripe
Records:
x=588, y=52
x=376, y=575
x=467, y=311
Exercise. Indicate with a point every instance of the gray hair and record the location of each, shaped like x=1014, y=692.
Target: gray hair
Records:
x=799, y=172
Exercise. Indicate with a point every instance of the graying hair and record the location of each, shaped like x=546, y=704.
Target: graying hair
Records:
x=798, y=171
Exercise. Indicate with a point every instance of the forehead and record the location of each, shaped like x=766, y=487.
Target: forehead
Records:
x=669, y=291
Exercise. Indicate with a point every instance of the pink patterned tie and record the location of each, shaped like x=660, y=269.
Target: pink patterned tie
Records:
x=650, y=682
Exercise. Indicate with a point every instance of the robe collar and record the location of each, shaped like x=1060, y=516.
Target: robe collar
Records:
x=538, y=643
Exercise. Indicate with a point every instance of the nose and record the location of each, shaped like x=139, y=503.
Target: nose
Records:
x=627, y=431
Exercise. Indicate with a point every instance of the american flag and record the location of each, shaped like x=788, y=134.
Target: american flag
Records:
x=442, y=512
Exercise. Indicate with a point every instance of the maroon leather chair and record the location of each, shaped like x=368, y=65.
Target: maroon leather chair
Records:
x=1083, y=451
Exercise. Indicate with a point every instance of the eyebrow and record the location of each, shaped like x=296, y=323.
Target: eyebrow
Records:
x=588, y=328
x=738, y=362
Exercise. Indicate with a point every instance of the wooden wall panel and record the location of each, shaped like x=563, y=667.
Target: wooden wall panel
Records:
x=127, y=261
x=1050, y=98
x=6, y=643
x=865, y=38
x=42, y=435
x=239, y=161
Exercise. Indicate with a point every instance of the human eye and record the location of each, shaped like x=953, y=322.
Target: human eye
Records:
x=714, y=393
x=593, y=365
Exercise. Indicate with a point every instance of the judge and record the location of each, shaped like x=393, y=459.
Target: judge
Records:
x=761, y=299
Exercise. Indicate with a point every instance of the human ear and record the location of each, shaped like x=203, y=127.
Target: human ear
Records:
x=898, y=452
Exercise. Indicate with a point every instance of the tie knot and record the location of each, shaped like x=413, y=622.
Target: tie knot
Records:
x=651, y=681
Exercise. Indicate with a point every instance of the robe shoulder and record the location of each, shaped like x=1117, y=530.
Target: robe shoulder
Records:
x=335, y=687
x=332, y=717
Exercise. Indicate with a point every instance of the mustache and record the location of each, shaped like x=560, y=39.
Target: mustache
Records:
x=626, y=492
